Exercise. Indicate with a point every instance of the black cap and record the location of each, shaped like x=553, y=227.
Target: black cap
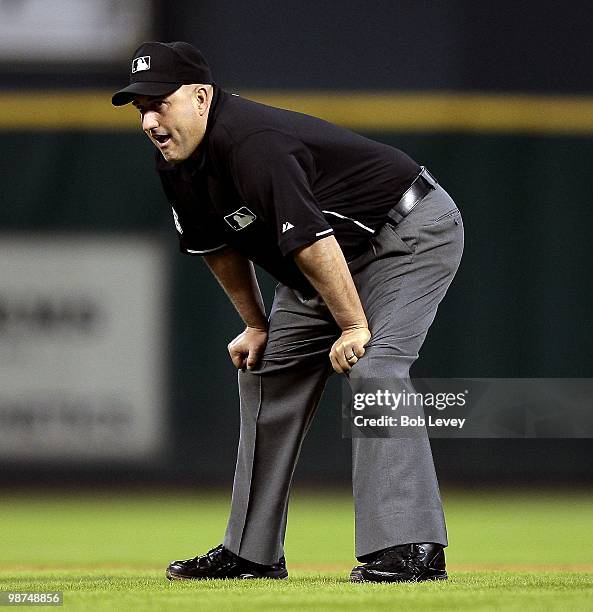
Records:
x=160, y=68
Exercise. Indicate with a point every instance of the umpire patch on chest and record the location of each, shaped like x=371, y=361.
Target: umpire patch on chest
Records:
x=240, y=219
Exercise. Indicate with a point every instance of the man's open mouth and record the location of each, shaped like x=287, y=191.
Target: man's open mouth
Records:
x=161, y=138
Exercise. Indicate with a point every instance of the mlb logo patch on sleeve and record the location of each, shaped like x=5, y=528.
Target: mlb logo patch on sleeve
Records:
x=141, y=63
x=240, y=218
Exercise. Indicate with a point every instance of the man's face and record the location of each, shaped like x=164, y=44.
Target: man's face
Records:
x=176, y=123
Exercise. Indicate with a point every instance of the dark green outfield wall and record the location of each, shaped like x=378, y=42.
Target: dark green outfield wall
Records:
x=521, y=305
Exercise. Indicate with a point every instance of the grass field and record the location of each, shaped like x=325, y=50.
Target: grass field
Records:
x=108, y=551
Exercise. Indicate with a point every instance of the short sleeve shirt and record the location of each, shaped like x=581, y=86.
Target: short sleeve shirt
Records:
x=268, y=181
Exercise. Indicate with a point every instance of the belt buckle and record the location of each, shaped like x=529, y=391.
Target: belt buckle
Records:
x=428, y=177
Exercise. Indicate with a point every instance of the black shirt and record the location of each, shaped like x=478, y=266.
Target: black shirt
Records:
x=267, y=181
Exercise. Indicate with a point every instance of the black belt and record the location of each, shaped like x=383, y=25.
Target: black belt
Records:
x=421, y=186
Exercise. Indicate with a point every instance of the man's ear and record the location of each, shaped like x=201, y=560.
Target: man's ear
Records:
x=202, y=95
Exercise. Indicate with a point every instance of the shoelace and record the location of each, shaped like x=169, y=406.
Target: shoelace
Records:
x=206, y=560
x=396, y=554
x=415, y=565
x=212, y=556
x=406, y=558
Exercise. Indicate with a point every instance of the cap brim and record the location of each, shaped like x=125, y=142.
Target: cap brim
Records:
x=146, y=88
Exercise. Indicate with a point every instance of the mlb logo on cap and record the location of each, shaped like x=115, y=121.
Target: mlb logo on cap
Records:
x=141, y=63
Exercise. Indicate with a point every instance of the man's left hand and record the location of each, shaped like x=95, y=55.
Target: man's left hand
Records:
x=349, y=348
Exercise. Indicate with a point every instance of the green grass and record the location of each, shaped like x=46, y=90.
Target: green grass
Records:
x=108, y=551
x=146, y=590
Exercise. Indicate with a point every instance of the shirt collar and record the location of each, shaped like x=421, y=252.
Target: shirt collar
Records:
x=195, y=164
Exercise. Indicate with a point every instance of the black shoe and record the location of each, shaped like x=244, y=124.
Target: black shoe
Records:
x=221, y=563
x=405, y=563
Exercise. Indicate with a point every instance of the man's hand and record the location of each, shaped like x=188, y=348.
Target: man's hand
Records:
x=349, y=348
x=323, y=263
x=248, y=347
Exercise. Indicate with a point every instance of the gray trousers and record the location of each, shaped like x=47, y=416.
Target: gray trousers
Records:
x=401, y=280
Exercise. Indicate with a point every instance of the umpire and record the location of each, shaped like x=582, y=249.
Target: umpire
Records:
x=364, y=244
